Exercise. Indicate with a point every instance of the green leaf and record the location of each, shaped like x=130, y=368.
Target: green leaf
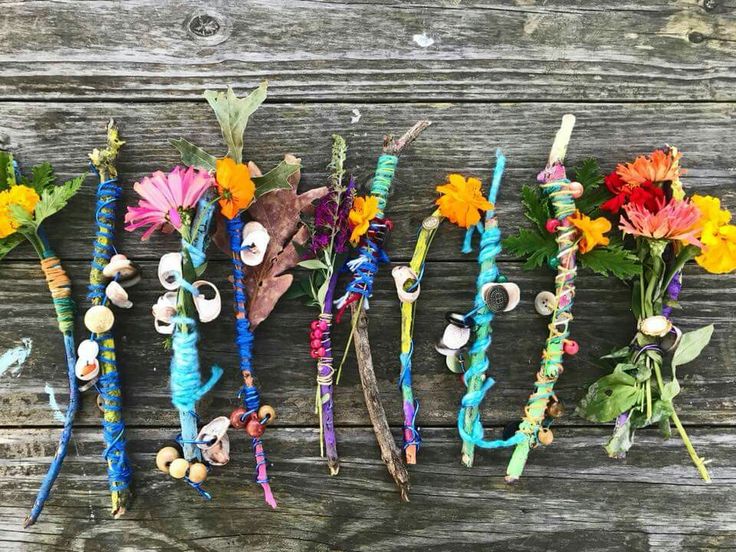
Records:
x=536, y=206
x=7, y=171
x=194, y=156
x=42, y=177
x=232, y=114
x=276, y=178
x=623, y=352
x=611, y=261
x=588, y=173
x=322, y=292
x=313, y=264
x=691, y=345
x=8, y=243
x=670, y=390
x=621, y=440
x=609, y=396
x=538, y=248
x=54, y=199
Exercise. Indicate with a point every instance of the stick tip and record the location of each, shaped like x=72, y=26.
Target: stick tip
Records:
x=334, y=468
x=28, y=522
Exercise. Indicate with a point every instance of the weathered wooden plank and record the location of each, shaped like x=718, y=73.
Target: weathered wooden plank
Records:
x=463, y=138
x=571, y=495
x=360, y=51
x=602, y=322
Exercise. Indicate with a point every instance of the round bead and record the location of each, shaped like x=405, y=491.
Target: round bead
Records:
x=315, y=343
x=314, y=325
x=570, y=347
x=317, y=334
x=165, y=457
x=323, y=325
x=254, y=428
x=313, y=354
x=545, y=436
x=553, y=262
x=576, y=189
x=178, y=468
x=236, y=418
x=501, y=279
x=197, y=473
x=544, y=303
x=552, y=225
x=320, y=352
x=267, y=413
x=556, y=409
x=99, y=319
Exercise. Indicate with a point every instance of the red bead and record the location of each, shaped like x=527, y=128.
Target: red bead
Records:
x=313, y=354
x=236, y=418
x=314, y=325
x=321, y=352
x=254, y=428
x=552, y=225
x=317, y=334
x=570, y=347
x=316, y=344
x=323, y=325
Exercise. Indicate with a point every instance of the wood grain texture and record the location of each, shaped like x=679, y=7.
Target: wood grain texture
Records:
x=572, y=498
x=463, y=137
x=358, y=51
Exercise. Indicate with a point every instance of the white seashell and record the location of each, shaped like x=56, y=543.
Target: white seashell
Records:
x=165, y=307
x=169, y=270
x=255, y=242
x=219, y=455
x=455, y=337
x=501, y=297
x=403, y=274
x=545, y=303
x=117, y=295
x=655, y=326
x=99, y=319
x=208, y=309
x=86, y=369
x=127, y=272
x=88, y=349
x=216, y=453
x=164, y=328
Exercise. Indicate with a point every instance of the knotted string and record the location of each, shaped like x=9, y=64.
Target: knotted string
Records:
x=244, y=341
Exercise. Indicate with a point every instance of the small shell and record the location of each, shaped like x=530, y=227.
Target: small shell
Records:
x=501, y=297
x=402, y=275
x=165, y=457
x=88, y=349
x=213, y=431
x=163, y=311
x=169, y=270
x=86, y=369
x=545, y=302
x=255, y=243
x=655, y=326
x=99, y=319
x=117, y=295
x=127, y=271
x=218, y=455
x=197, y=473
x=178, y=468
x=208, y=309
x=455, y=337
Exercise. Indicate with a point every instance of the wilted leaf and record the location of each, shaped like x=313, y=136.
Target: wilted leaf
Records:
x=194, y=156
x=275, y=179
x=621, y=440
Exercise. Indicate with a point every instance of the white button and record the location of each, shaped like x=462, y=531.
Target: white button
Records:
x=545, y=303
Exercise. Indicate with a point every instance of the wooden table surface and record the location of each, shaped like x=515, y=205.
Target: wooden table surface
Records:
x=637, y=74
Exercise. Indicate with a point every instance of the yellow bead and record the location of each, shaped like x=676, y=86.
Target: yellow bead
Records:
x=266, y=411
x=197, y=472
x=178, y=468
x=545, y=437
x=165, y=457
x=99, y=319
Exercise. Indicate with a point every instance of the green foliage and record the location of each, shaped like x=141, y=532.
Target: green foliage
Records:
x=691, y=345
x=610, y=396
x=55, y=198
x=7, y=171
x=232, y=114
x=612, y=260
x=536, y=206
x=537, y=247
x=42, y=177
x=194, y=156
x=276, y=178
x=9, y=243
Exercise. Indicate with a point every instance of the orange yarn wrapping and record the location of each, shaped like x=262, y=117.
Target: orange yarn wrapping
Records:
x=60, y=287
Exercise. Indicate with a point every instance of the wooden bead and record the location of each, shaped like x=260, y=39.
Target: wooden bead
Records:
x=556, y=409
x=254, y=428
x=236, y=418
x=267, y=413
x=545, y=436
x=197, y=472
x=99, y=319
x=165, y=457
x=178, y=468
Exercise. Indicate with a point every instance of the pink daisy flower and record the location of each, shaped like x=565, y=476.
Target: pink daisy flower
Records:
x=675, y=220
x=165, y=197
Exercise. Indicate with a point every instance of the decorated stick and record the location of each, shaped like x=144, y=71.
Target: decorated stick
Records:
x=361, y=288
x=108, y=193
x=475, y=378
x=554, y=182
x=24, y=204
x=408, y=296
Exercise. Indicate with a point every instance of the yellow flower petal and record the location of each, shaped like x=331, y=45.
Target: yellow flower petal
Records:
x=461, y=200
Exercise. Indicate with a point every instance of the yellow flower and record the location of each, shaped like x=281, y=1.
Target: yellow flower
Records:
x=718, y=254
x=235, y=186
x=23, y=196
x=461, y=200
x=710, y=210
x=592, y=230
x=364, y=210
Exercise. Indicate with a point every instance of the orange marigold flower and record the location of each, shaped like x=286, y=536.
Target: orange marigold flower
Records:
x=592, y=230
x=24, y=197
x=364, y=210
x=235, y=186
x=659, y=166
x=461, y=200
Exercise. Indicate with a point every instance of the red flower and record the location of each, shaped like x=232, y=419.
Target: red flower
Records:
x=644, y=194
